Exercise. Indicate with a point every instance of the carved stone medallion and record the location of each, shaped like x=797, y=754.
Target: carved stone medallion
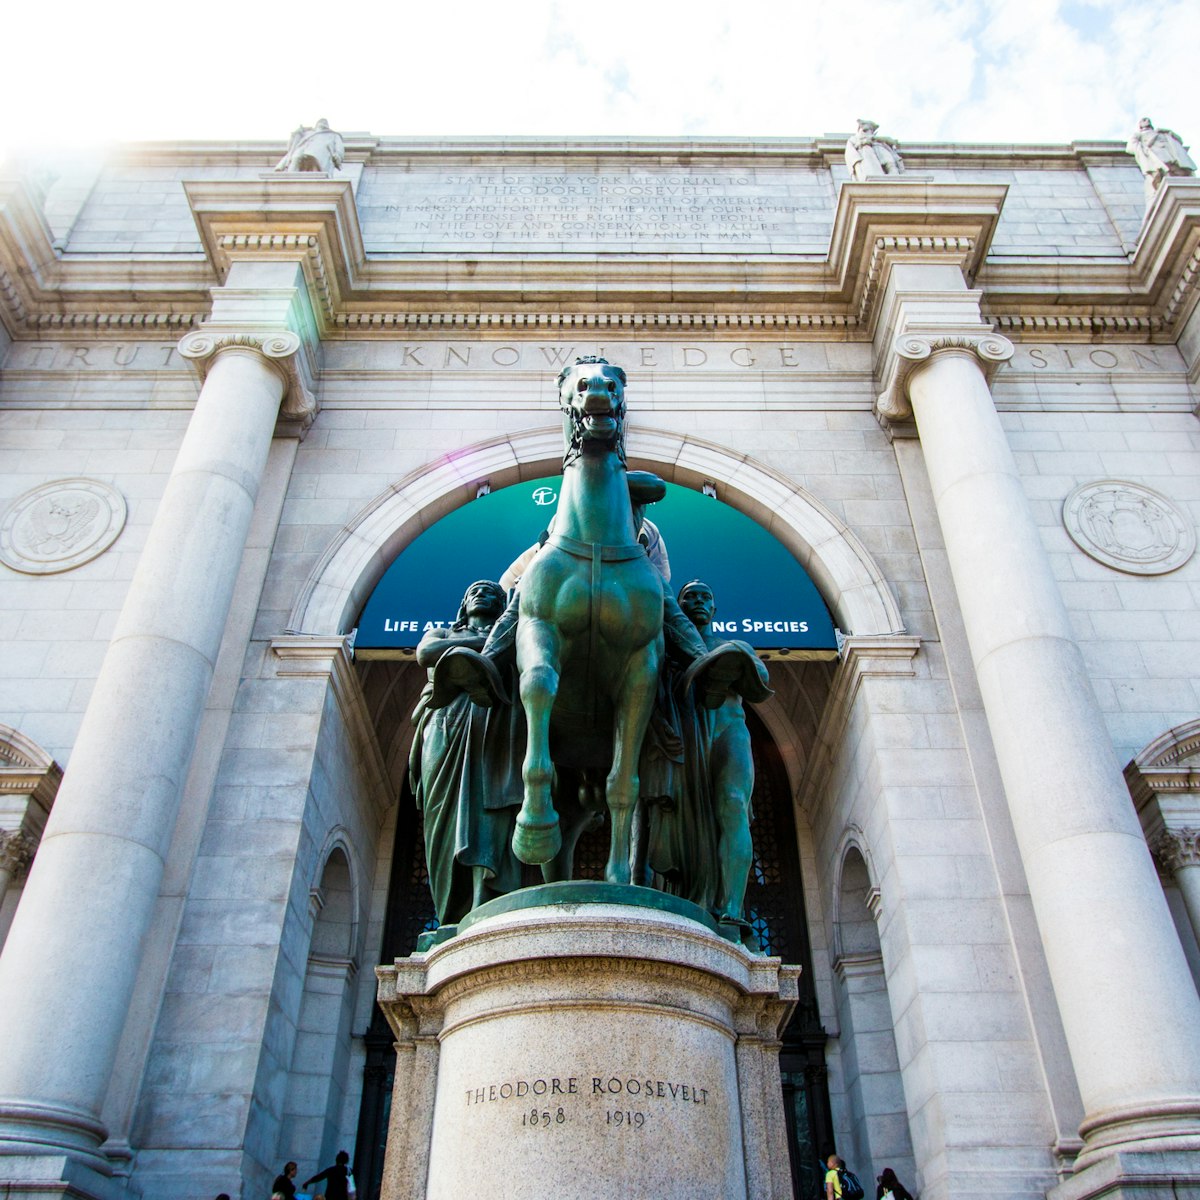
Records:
x=1128, y=527
x=60, y=525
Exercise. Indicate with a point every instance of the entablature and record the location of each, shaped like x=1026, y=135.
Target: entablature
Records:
x=876, y=224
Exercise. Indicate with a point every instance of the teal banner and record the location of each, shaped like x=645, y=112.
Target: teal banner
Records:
x=763, y=595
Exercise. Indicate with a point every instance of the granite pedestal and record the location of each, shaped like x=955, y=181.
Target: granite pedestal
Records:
x=587, y=1040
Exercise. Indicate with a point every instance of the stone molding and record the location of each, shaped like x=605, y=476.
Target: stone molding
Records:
x=960, y=250
x=1073, y=325
x=1164, y=783
x=911, y=350
x=341, y=968
x=291, y=245
x=26, y=760
x=887, y=656
x=278, y=348
x=858, y=966
x=664, y=320
x=301, y=656
x=29, y=781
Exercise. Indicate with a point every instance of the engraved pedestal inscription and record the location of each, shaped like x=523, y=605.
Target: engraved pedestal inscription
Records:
x=60, y=525
x=587, y=1052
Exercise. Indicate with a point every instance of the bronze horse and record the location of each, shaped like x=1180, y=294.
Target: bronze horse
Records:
x=588, y=629
x=589, y=634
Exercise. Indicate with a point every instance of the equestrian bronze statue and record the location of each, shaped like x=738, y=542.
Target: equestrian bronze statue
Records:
x=587, y=626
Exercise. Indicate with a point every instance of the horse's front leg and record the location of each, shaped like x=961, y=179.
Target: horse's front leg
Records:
x=537, y=837
x=634, y=704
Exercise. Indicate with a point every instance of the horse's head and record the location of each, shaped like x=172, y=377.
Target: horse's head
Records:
x=591, y=395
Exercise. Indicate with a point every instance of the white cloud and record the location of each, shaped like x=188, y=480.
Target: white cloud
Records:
x=940, y=70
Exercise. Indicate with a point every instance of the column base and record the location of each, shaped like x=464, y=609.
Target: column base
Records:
x=577, y=1048
x=39, y=1131
x=1135, y=1175
x=55, y=1177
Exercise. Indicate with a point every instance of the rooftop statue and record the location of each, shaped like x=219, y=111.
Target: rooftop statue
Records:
x=869, y=155
x=1159, y=153
x=591, y=624
x=316, y=149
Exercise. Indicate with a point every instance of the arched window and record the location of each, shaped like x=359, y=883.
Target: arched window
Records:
x=321, y=1057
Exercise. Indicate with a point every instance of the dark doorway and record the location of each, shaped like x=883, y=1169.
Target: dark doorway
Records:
x=774, y=903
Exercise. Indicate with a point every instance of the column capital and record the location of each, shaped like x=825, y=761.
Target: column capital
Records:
x=913, y=349
x=1174, y=849
x=278, y=348
x=16, y=851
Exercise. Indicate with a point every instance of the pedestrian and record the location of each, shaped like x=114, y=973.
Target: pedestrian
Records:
x=833, y=1180
x=890, y=1188
x=841, y=1184
x=283, y=1185
x=339, y=1179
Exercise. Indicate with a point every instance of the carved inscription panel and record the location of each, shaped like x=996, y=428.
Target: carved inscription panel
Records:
x=647, y=210
x=581, y=1102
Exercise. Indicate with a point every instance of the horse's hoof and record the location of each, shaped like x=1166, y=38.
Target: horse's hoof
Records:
x=536, y=844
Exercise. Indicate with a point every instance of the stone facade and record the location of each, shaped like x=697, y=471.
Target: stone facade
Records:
x=912, y=381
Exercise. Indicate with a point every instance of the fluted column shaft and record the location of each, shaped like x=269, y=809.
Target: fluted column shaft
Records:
x=1128, y=1004
x=69, y=966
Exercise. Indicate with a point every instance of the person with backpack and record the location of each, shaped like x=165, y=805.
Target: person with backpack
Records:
x=841, y=1184
x=890, y=1188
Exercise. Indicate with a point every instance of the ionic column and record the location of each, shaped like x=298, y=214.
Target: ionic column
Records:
x=1178, y=849
x=1128, y=1003
x=69, y=966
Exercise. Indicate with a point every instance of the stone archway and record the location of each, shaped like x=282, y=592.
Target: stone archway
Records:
x=318, y=1077
x=877, y=1116
x=852, y=584
x=849, y=580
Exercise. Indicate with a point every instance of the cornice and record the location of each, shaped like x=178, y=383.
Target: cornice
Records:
x=314, y=223
x=1068, y=326
x=376, y=149
x=1162, y=776
x=26, y=769
x=768, y=324
x=876, y=224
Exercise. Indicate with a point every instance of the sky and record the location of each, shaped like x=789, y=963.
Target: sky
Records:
x=926, y=70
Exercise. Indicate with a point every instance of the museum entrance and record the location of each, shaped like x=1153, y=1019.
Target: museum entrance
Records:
x=774, y=908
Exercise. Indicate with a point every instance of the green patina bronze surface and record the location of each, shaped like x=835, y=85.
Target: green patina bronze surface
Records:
x=589, y=891
x=608, y=693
